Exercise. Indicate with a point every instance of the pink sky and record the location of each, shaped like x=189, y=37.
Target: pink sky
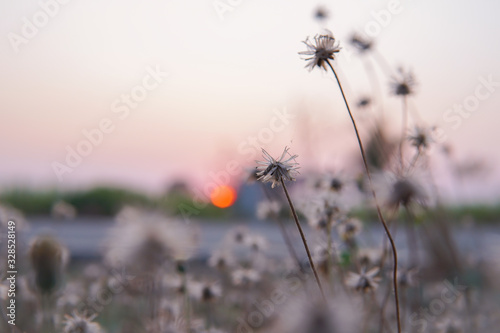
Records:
x=225, y=78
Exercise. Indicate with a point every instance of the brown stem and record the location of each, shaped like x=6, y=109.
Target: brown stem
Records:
x=379, y=212
x=285, y=235
x=303, y=239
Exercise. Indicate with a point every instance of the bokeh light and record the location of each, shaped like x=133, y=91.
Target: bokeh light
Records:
x=223, y=196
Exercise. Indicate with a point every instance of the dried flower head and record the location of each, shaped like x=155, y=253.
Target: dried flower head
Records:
x=320, y=51
x=221, y=259
x=335, y=184
x=361, y=43
x=236, y=236
x=403, y=83
x=256, y=242
x=274, y=171
x=80, y=324
x=407, y=277
x=250, y=175
x=324, y=215
x=206, y=292
x=268, y=209
x=404, y=191
x=364, y=281
x=245, y=276
x=363, y=102
x=421, y=138
x=321, y=13
x=48, y=259
x=349, y=228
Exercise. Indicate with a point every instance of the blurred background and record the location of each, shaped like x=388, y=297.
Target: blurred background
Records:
x=126, y=101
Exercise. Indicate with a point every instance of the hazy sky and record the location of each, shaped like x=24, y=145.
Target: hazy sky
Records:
x=231, y=65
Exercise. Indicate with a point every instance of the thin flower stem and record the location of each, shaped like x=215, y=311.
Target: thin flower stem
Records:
x=303, y=239
x=379, y=212
x=285, y=235
x=404, y=127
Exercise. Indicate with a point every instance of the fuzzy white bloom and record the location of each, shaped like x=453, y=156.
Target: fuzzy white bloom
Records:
x=144, y=241
x=364, y=281
x=221, y=259
x=256, y=242
x=207, y=291
x=245, y=276
x=267, y=209
x=236, y=236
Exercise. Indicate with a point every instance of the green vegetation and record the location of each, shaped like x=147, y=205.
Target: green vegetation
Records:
x=106, y=201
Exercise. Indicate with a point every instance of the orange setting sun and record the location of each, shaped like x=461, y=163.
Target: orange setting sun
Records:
x=223, y=196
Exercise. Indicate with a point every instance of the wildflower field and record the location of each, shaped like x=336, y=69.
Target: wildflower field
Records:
x=282, y=242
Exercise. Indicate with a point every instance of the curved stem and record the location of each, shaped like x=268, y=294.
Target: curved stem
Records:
x=379, y=212
x=303, y=239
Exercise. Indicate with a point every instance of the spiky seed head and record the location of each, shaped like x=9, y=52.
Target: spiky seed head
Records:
x=320, y=50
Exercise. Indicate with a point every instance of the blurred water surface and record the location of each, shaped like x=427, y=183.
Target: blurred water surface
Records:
x=86, y=237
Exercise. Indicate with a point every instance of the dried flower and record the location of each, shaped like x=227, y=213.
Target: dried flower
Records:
x=364, y=102
x=403, y=83
x=349, y=228
x=245, y=276
x=274, y=171
x=404, y=191
x=268, y=209
x=321, y=13
x=236, y=236
x=364, y=281
x=421, y=138
x=221, y=260
x=320, y=51
x=361, y=43
x=256, y=242
x=80, y=324
x=206, y=291
x=407, y=277
x=48, y=259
